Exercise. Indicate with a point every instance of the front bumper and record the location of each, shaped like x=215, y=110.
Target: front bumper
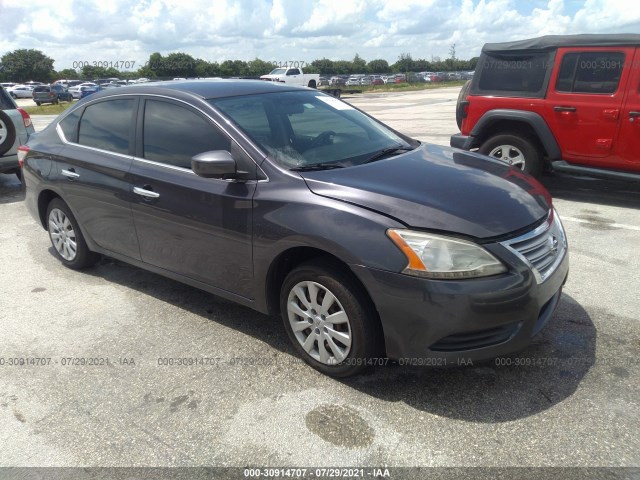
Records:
x=470, y=320
x=461, y=141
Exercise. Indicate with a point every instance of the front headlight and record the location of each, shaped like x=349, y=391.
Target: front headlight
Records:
x=442, y=257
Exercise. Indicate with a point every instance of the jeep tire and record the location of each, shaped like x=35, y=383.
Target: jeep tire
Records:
x=514, y=150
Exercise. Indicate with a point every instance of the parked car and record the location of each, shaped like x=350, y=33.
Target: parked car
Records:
x=86, y=91
x=290, y=201
x=292, y=76
x=51, y=94
x=20, y=91
x=15, y=128
x=564, y=102
x=365, y=81
x=377, y=81
x=337, y=81
x=76, y=91
x=6, y=85
x=323, y=82
x=352, y=81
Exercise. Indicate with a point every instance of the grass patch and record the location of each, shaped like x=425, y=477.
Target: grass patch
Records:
x=408, y=87
x=48, y=109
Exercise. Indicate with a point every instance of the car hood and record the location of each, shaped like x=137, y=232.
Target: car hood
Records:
x=438, y=188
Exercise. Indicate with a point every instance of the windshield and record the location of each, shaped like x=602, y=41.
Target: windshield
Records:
x=306, y=128
x=278, y=71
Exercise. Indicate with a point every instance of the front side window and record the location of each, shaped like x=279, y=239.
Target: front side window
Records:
x=173, y=134
x=107, y=125
x=590, y=72
x=306, y=128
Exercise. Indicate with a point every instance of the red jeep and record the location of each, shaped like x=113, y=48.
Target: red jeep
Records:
x=567, y=102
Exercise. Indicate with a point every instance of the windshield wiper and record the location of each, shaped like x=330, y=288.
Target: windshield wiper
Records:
x=316, y=166
x=386, y=152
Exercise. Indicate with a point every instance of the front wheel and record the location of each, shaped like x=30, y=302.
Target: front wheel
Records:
x=514, y=150
x=66, y=237
x=330, y=319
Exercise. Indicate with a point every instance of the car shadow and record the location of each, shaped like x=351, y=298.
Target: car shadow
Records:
x=616, y=193
x=508, y=388
x=11, y=190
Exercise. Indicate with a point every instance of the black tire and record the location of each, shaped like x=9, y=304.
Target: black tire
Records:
x=312, y=84
x=13, y=95
x=38, y=103
x=7, y=133
x=83, y=256
x=462, y=96
x=362, y=326
x=530, y=152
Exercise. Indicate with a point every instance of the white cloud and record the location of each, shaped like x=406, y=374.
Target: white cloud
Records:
x=115, y=30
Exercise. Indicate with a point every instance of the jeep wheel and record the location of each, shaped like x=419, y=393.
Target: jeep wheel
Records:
x=515, y=151
x=7, y=133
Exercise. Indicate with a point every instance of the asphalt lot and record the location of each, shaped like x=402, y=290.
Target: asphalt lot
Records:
x=577, y=405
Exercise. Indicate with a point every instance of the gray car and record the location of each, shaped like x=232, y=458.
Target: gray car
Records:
x=369, y=244
x=15, y=128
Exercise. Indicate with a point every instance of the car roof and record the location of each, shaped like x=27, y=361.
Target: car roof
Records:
x=207, y=88
x=551, y=42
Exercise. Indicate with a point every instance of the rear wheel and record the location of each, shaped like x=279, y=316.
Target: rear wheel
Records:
x=38, y=103
x=7, y=132
x=66, y=237
x=329, y=319
x=516, y=151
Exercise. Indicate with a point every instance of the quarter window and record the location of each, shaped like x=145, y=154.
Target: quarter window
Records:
x=590, y=72
x=173, y=134
x=69, y=125
x=107, y=125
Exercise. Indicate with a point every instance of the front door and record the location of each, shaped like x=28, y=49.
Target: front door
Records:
x=197, y=227
x=585, y=101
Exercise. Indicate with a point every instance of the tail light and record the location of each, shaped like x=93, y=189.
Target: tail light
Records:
x=22, y=154
x=26, y=119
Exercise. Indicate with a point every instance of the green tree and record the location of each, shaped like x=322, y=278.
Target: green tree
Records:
x=257, y=67
x=90, y=72
x=23, y=65
x=324, y=66
x=343, y=67
x=358, y=64
x=177, y=65
x=67, y=73
x=404, y=63
x=207, y=69
x=378, y=66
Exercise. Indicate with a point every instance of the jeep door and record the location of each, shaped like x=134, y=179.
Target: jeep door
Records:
x=196, y=227
x=628, y=141
x=585, y=100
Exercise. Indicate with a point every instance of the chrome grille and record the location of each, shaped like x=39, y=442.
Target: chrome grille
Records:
x=541, y=249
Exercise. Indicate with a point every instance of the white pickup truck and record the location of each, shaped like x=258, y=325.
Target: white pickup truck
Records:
x=293, y=76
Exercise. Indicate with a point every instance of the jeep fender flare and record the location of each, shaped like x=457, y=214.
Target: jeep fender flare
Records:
x=534, y=120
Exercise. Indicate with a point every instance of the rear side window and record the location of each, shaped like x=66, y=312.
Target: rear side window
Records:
x=6, y=103
x=517, y=74
x=107, y=125
x=173, y=134
x=590, y=72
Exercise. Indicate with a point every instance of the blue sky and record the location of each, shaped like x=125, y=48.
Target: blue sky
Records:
x=282, y=30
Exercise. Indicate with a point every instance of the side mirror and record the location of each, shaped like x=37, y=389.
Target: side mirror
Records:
x=216, y=164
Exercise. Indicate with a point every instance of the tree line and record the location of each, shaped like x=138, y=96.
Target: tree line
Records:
x=23, y=65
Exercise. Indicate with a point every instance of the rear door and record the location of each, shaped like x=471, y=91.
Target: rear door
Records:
x=92, y=172
x=197, y=227
x=584, y=102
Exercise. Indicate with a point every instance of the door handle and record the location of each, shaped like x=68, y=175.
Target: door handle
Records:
x=564, y=109
x=634, y=114
x=145, y=193
x=70, y=174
